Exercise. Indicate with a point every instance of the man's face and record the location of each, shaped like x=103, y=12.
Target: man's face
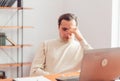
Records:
x=64, y=28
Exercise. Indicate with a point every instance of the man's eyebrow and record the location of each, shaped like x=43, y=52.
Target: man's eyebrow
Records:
x=64, y=28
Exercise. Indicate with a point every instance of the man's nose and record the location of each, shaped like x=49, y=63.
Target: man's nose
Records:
x=67, y=33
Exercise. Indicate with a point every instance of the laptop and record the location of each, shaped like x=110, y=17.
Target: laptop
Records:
x=98, y=65
x=101, y=65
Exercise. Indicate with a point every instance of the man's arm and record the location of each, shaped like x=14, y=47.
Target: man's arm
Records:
x=38, y=64
x=80, y=38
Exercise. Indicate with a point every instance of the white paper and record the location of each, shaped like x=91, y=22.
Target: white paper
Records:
x=117, y=80
x=40, y=78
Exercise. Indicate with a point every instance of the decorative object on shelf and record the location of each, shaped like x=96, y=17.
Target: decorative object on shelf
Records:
x=2, y=39
x=7, y=3
x=2, y=75
x=11, y=41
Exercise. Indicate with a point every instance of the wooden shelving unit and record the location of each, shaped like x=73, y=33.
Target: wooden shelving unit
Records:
x=19, y=8
x=16, y=46
x=14, y=64
x=14, y=27
x=19, y=36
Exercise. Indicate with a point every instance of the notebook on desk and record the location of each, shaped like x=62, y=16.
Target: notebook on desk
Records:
x=98, y=65
x=68, y=78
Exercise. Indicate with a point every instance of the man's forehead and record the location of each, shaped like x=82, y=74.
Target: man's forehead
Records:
x=68, y=23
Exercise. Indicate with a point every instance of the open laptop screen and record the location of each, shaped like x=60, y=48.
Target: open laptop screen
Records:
x=101, y=65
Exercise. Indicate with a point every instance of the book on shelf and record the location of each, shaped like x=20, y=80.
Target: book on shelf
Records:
x=6, y=3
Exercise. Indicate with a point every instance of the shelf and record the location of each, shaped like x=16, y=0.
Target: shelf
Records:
x=20, y=8
x=14, y=27
x=14, y=14
x=15, y=64
x=16, y=46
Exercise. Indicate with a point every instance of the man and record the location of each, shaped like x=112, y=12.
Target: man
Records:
x=61, y=55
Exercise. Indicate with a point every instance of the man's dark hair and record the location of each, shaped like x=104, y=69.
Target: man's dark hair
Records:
x=68, y=17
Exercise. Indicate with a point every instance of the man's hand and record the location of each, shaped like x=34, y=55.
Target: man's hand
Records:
x=76, y=32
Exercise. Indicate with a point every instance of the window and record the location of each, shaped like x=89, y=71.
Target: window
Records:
x=115, y=30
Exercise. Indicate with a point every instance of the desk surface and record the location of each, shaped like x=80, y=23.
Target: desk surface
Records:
x=6, y=79
x=52, y=76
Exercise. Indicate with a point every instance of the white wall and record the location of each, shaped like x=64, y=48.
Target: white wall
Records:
x=95, y=18
x=43, y=17
x=94, y=22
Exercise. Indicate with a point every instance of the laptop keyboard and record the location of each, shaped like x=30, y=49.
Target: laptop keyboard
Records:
x=69, y=78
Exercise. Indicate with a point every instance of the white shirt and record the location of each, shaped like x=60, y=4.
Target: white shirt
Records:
x=57, y=56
